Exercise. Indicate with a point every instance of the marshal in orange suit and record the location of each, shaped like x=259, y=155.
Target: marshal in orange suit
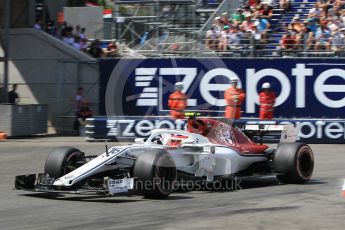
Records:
x=177, y=102
x=234, y=98
x=267, y=101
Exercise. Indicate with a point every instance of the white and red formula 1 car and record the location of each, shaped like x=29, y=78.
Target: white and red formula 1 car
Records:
x=210, y=151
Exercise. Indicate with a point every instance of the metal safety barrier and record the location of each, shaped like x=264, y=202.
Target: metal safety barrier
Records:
x=120, y=128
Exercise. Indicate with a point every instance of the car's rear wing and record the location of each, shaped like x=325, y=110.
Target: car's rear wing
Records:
x=270, y=133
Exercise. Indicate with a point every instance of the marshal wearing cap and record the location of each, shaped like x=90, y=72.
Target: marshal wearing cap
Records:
x=266, y=85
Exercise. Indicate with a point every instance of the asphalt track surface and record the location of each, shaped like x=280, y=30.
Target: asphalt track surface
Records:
x=261, y=204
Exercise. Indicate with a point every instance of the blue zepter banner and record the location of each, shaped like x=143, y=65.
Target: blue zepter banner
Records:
x=305, y=88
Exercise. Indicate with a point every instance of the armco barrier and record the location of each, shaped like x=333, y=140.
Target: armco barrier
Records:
x=23, y=120
x=320, y=131
x=305, y=87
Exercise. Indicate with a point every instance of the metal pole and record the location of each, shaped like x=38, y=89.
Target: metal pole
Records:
x=7, y=21
x=157, y=27
x=115, y=33
x=44, y=19
x=79, y=77
x=252, y=43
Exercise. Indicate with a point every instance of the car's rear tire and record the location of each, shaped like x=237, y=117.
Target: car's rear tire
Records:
x=294, y=163
x=62, y=160
x=156, y=174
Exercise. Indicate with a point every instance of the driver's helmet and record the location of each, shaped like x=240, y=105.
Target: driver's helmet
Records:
x=176, y=140
x=226, y=134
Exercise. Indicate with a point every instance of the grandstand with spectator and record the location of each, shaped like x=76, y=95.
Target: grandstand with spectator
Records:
x=260, y=28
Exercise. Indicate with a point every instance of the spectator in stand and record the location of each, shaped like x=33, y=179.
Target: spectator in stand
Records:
x=338, y=41
x=241, y=31
x=297, y=29
x=166, y=11
x=329, y=15
x=311, y=25
x=64, y=28
x=51, y=28
x=284, y=4
x=342, y=16
x=111, y=50
x=82, y=33
x=77, y=30
x=271, y=3
x=253, y=3
x=77, y=43
x=323, y=37
x=224, y=19
x=247, y=9
x=95, y=49
x=315, y=12
x=334, y=25
x=38, y=24
x=256, y=34
x=248, y=23
x=337, y=6
x=223, y=39
x=70, y=29
x=266, y=12
x=320, y=30
x=322, y=42
x=238, y=17
x=68, y=38
x=311, y=41
x=67, y=34
x=258, y=39
x=325, y=6
x=287, y=43
x=296, y=25
x=299, y=39
x=217, y=24
x=175, y=47
x=262, y=26
x=212, y=37
x=324, y=21
x=246, y=42
x=83, y=44
x=234, y=39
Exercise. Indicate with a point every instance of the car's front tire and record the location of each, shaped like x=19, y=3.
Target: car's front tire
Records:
x=294, y=163
x=62, y=160
x=156, y=174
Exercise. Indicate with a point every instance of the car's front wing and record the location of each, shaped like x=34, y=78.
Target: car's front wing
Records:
x=43, y=183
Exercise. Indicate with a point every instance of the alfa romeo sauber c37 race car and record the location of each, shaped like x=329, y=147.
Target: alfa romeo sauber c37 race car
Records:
x=210, y=151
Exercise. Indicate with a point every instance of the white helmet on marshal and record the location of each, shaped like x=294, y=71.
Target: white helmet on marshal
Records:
x=233, y=80
x=266, y=85
x=179, y=85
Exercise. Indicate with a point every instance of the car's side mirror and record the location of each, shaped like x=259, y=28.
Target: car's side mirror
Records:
x=139, y=140
x=188, y=141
